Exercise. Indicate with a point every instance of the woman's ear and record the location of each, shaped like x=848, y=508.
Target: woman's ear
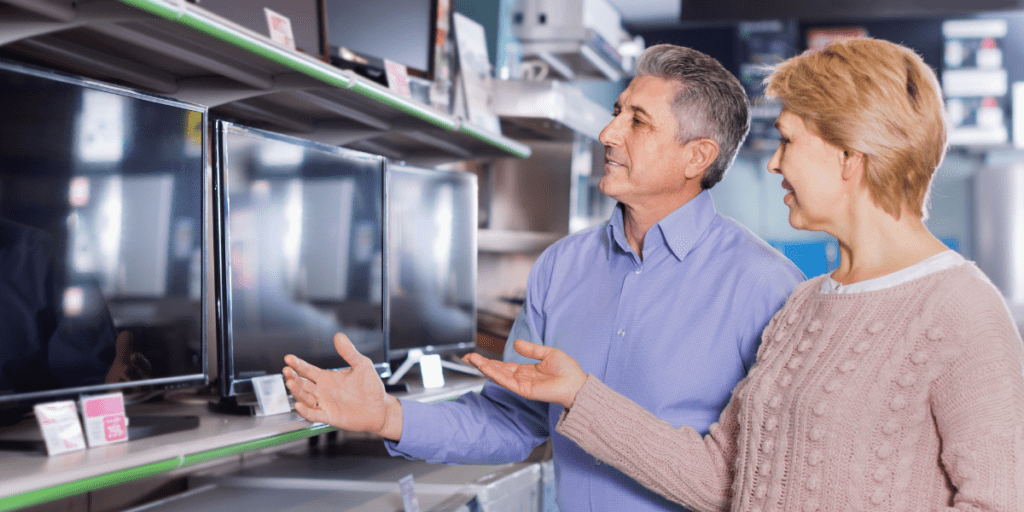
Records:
x=852, y=163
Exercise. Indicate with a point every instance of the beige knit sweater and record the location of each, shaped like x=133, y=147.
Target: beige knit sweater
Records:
x=904, y=399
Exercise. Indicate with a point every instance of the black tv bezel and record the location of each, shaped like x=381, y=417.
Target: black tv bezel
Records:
x=449, y=348
x=372, y=66
x=162, y=384
x=231, y=388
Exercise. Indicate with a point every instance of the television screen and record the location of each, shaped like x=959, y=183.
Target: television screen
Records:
x=361, y=34
x=432, y=260
x=301, y=254
x=101, y=239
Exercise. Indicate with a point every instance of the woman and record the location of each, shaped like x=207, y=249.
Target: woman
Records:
x=895, y=383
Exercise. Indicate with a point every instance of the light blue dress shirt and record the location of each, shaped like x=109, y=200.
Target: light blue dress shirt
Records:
x=674, y=332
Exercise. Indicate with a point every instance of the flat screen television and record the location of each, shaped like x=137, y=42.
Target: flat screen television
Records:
x=102, y=280
x=361, y=34
x=301, y=255
x=432, y=262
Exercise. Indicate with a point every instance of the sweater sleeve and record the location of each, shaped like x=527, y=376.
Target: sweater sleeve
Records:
x=676, y=463
x=978, y=405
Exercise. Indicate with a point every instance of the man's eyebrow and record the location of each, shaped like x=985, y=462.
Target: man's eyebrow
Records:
x=640, y=110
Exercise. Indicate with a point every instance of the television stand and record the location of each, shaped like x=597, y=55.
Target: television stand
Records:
x=413, y=357
x=140, y=426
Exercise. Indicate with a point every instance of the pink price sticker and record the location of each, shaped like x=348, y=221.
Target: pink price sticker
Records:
x=114, y=428
x=105, y=420
x=98, y=407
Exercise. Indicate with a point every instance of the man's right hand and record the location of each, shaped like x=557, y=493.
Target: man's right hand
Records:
x=351, y=399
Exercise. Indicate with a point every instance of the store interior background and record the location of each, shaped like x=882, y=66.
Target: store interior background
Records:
x=976, y=202
x=526, y=204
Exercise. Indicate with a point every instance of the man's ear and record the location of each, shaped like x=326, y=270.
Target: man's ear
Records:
x=700, y=155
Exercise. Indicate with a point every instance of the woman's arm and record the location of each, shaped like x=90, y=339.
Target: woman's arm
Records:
x=676, y=463
x=978, y=406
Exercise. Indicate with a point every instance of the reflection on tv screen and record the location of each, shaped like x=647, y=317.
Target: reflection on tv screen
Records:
x=303, y=252
x=101, y=239
x=432, y=260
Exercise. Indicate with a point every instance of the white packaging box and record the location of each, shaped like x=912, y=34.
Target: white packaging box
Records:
x=502, y=488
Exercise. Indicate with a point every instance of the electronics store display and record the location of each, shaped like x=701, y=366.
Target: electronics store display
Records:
x=432, y=263
x=301, y=254
x=101, y=241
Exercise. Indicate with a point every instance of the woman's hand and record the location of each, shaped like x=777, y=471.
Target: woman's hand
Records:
x=555, y=379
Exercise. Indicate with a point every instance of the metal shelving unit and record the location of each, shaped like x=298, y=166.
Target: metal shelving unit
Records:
x=177, y=49
x=31, y=478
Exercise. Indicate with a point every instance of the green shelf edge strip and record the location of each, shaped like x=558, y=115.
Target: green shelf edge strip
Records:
x=68, y=489
x=316, y=70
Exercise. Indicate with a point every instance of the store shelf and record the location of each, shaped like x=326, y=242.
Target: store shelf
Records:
x=496, y=240
x=177, y=49
x=29, y=478
x=548, y=110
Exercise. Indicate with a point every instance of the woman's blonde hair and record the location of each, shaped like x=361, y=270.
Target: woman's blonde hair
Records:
x=877, y=98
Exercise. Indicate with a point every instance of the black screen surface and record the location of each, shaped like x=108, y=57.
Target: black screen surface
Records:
x=432, y=259
x=302, y=253
x=101, y=238
x=398, y=30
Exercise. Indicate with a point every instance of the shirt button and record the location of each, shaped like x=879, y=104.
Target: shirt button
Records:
x=638, y=270
x=621, y=333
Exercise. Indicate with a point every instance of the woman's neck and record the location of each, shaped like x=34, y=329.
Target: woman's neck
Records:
x=875, y=244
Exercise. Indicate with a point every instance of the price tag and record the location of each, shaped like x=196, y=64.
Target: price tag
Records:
x=271, y=395
x=398, y=78
x=409, y=500
x=105, y=422
x=62, y=431
x=280, y=29
x=430, y=369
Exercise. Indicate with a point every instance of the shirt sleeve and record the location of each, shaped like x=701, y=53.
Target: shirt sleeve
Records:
x=978, y=406
x=768, y=297
x=494, y=426
x=676, y=463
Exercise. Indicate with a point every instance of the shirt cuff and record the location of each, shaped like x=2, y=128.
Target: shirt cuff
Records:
x=418, y=441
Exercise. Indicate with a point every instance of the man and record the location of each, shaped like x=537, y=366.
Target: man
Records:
x=665, y=302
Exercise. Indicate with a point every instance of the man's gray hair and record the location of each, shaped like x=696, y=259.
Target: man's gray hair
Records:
x=710, y=102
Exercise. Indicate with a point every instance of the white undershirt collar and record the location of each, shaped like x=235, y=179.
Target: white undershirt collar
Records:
x=941, y=261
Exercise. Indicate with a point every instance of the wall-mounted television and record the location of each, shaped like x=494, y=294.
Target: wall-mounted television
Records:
x=360, y=35
x=301, y=251
x=102, y=260
x=432, y=262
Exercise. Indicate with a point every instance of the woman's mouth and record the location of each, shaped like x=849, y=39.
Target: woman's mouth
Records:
x=791, y=196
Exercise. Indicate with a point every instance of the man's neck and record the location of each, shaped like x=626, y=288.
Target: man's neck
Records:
x=639, y=218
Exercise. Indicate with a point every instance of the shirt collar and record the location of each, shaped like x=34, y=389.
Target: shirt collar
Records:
x=680, y=230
